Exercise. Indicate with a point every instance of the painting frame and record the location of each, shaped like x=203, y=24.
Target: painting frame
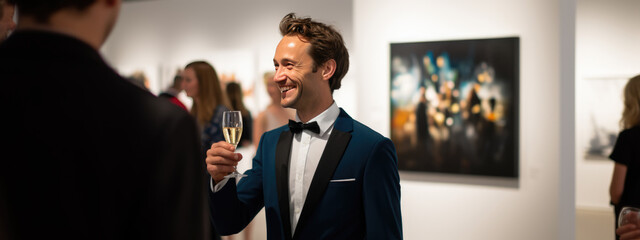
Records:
x=454, y=106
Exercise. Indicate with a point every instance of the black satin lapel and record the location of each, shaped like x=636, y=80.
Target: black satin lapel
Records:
x=283, y=150
x=333, y=151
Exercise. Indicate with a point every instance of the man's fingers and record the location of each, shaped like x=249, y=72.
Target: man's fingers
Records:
x=633, y=235
x=628, y=231
x=218, y=169
x=219, y=160
x=218, y=151
x=223, y=144
x=225, y=159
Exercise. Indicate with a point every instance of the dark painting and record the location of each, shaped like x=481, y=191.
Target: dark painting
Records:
x=454, y=106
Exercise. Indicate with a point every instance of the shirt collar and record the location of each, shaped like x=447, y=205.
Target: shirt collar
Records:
x=325, y=119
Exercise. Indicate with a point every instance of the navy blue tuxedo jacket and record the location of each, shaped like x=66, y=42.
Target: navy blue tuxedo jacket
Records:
x=367, y=208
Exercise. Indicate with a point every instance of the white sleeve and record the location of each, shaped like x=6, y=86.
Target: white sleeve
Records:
x=218, y=186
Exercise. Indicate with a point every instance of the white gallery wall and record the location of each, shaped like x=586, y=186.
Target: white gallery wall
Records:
x=446, y=207
x=607, y=55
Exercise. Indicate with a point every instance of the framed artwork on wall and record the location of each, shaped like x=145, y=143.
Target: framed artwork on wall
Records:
x=454, y=106
x=598, y=112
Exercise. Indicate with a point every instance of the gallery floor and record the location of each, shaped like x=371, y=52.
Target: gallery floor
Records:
x=594, y=224
x=591, y=224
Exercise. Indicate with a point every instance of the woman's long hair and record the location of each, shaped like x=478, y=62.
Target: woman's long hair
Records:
x=234, y=92
x=210, y=93
x=631, y=112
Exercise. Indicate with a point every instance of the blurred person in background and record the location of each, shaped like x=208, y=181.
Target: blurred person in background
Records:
x=139, y=79
x=201, y=83
x=625, y=182
x=171, y=93
x=6, y=19
x=234, y=92
x=79, y=163
x=274, y=114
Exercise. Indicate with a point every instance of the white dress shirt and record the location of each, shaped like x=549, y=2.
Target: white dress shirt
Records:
x=306, y=150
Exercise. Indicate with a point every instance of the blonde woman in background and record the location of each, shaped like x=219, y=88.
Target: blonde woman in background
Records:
x=625, y=183
x=274, y=115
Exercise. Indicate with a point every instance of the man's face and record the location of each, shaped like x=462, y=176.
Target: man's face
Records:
x=294, y=73
x=190, y=82
x=6, y=23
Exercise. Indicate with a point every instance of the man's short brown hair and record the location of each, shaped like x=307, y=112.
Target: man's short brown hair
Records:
x=326, y=43
x=42, y=10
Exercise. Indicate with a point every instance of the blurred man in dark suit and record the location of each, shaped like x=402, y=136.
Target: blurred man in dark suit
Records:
x=86, y=154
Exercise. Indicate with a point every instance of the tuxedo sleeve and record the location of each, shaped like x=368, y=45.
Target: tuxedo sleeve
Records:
x=381, y=193
x=234, y=206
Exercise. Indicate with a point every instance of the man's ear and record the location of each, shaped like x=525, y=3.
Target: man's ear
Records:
x=328, y=69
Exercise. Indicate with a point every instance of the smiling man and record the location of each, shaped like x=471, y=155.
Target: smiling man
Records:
x=325, y=176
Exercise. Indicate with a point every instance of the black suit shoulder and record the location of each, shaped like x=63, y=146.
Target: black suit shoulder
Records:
x=93, y=153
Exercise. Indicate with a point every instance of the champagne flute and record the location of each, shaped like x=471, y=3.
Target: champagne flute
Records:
x=629, y=215
x=232, y=129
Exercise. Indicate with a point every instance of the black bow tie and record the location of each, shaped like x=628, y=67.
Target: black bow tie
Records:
x=297, y=127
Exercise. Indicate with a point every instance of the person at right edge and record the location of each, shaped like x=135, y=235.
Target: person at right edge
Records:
x=324, y=177
x=625, y=182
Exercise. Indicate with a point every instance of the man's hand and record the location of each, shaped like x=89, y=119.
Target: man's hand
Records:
x=221, y=160
x=628, y=232
x=631, y=230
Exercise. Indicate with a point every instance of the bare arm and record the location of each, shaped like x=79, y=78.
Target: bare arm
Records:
x=617, y=182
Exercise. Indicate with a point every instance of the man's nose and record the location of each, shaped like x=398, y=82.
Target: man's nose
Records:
x=280, y=75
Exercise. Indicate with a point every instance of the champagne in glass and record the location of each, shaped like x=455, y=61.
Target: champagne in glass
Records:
x=232, y=135
x=232, y=130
